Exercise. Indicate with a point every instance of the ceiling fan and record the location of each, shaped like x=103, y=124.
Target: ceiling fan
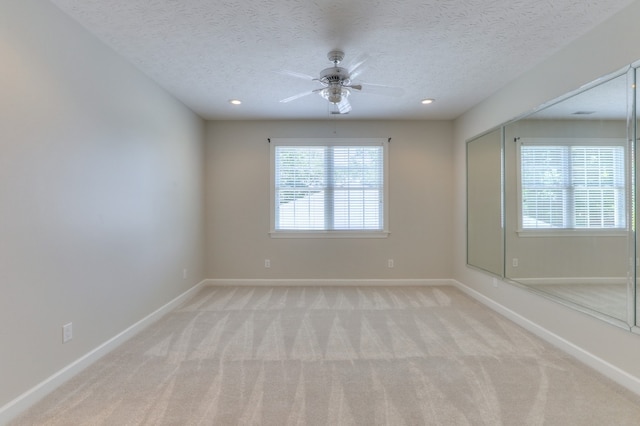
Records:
x=337, y=83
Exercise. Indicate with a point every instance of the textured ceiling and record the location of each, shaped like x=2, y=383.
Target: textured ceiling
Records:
x=206, y=52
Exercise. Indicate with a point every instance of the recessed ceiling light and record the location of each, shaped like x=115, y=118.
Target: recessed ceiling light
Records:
x=427, y=101
x=235, y=101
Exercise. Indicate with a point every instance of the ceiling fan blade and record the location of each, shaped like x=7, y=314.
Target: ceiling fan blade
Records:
x=344, y=107
x=380, y=89
x=356, y=66
x=295, y=74
x=299, y=95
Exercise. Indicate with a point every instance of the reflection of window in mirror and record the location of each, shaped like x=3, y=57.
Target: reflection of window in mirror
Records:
x=571, y=184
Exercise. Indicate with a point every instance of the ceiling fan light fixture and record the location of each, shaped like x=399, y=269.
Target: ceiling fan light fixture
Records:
x=334, y=93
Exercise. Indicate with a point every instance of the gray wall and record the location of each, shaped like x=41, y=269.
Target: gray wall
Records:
x=420, y=196
x=100, y=194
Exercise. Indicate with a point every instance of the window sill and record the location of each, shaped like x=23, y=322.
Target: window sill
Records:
x=329, y=234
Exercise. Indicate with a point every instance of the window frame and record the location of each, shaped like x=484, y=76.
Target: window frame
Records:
x=564, y=142
x=329, y=142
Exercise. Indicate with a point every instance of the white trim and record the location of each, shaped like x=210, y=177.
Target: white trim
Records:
x=568, y=231
x=17, y=406
x=605, y=368
x=326, y=282
x=325, y=233
x=328, y=234
x=328, y=141
x=572, y=141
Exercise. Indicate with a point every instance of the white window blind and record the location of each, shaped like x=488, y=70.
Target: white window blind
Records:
x=336, y=186
x=572, y=186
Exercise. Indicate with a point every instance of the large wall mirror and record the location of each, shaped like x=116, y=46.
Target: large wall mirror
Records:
x=485, y=248
x=568, y=209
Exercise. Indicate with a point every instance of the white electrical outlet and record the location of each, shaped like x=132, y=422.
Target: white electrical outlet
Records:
x=514, y=262
x=184, y=274
x=267, y=263
x=67, y=332
x=390, y=263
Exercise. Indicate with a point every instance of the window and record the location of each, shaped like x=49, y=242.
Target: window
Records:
x=328, y=187
x=576, y=184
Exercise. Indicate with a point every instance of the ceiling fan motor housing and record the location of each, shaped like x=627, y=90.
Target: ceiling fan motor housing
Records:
x=335, y=75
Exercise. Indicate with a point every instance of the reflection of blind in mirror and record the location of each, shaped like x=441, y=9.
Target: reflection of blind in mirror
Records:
x=572, y=186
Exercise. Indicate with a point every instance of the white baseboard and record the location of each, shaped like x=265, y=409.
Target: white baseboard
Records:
x=327, y=282
x=15, y=407
x=603, y=367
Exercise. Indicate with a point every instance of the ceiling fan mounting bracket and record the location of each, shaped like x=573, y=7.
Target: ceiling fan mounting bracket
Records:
x=335, y=56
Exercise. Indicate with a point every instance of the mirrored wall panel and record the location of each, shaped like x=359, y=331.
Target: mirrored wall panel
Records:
x=567, y=187
x=484, y=203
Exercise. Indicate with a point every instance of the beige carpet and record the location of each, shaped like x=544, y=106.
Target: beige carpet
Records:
x=336, y=356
